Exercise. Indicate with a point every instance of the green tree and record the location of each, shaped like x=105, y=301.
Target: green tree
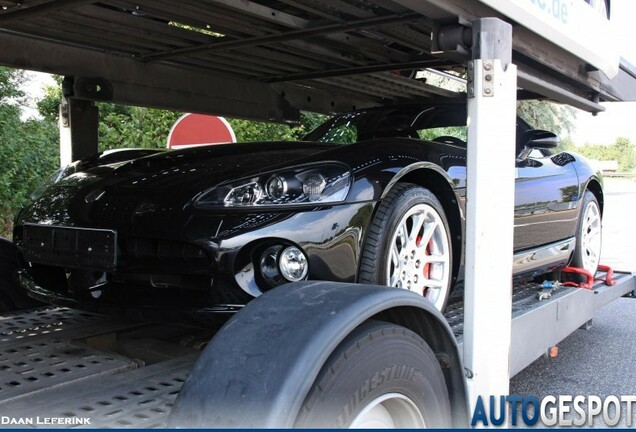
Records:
x=127, y=126
x=29, y=150
x=48, y=106
x=248, y=130
x=547, y=115
x=10, y=80
x=626, y=154
x=119, y=125
x=622, y=150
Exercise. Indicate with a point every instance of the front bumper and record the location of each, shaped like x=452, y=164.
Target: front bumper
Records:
x=208, y=316
x=212, y=270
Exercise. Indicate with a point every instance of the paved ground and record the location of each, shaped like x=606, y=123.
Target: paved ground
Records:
x=619, y=224
x=600, y=361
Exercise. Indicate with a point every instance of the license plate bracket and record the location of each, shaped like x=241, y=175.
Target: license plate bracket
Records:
x=86, y=248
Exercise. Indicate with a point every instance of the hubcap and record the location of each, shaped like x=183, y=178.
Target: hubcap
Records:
x=591, y=237
x=389, y=411
x=419, y=257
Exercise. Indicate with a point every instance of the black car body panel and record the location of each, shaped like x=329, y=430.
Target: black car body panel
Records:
x=173, y=254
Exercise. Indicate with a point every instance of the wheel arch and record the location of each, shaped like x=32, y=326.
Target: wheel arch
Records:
x=432, y=329
x=594, y=186
x=259, y=368
x=435, y=179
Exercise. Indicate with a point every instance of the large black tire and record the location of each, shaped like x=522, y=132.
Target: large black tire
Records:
x=375, y=257
x=378, y=361
x=6, y=304
x=8, y=267
x=12, y=296
x=8, y=262
x=585, y=247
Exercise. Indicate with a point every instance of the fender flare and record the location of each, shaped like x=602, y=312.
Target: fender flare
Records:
x=596, y=189
x=258, y=369
x=417, y=166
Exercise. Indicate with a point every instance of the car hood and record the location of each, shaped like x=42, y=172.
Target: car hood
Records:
x=193, y=168
x=162, y=184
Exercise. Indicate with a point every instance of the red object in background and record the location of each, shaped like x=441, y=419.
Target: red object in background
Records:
x=199, y=129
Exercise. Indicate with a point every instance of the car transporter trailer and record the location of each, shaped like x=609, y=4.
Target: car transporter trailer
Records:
x=258, y=369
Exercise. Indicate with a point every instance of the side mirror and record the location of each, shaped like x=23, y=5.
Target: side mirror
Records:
x=536, y=139
x=540, y=139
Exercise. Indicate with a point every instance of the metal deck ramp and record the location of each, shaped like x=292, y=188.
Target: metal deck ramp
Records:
x=49, y=360
x=540, y=324
x=59, y=360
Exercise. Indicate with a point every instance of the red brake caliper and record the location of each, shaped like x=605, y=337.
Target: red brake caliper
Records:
x=426, y=271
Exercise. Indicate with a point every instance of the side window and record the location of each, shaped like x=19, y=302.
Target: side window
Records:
x=536, y=154
x=344, y=133
x=459, y=132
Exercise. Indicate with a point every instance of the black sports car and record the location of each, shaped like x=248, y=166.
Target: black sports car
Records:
x=371, y=196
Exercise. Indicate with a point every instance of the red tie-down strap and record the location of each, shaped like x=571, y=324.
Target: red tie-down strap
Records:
x=589, y=277
x=609, y=275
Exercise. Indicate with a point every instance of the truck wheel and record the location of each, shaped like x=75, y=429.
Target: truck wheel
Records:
x=587, y=253
x=381, y=376
x=7, y=282
x=408, y=245
x=6, y=305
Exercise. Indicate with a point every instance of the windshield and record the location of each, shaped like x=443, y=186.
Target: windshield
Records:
x=419, y=122
x=443, y=123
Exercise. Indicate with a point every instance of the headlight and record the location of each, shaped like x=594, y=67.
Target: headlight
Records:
x=307, y=184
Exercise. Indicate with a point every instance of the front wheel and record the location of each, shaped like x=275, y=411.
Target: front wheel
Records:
x=408, y=245
x=587, y=254
x=381, y=376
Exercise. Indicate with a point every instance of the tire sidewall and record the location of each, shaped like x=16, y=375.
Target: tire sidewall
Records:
x=577, y=259
x=406, y=197
x=377, y=359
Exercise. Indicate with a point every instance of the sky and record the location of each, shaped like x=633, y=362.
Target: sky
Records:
x=619, y=119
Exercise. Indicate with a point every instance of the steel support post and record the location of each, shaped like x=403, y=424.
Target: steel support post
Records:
x=490, y=210
x=79, y=122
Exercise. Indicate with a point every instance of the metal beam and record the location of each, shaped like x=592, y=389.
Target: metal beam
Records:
x=525, y=42
x=149, y=84
x=79, y=123
x=490, y=190
x=425, y=63
x=403, y=36
x=105, y=48
x=283, y=37
x=534, y=83
x=263, y=12
x=622, y=85
x=321, y=100
x=39, y=9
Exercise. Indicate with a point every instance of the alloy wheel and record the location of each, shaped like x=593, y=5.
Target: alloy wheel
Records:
x=389, y=411
x=419, y=256
x=591, y=237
